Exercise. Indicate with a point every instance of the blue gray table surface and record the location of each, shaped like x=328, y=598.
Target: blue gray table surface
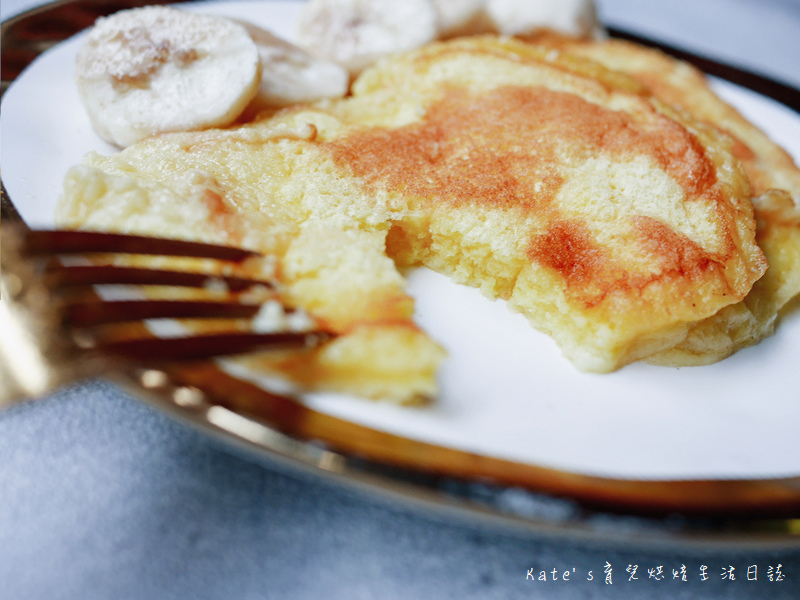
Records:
x=103, y=497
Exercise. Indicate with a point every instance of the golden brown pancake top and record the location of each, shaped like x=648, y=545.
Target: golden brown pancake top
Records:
x=491, y=148
x=506, y=147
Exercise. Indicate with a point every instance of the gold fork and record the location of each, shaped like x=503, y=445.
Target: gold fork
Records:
x=54, y=329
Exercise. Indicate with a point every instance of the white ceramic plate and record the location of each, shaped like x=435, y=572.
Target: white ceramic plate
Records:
x=507, y=392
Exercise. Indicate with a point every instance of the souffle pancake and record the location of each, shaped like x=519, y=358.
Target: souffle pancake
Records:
x=610, y=220
x=775, y=186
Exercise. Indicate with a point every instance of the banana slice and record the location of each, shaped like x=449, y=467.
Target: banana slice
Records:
x=290, y=75
x=356, y=33
x=149, y=70
x=462, y=17
x=527, y=17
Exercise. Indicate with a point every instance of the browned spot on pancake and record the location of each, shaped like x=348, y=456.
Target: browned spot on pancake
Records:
x=677, y=255
x=224, y=218
x=590, y=273
x=215, y=204
x=567, y=247
x=486, y=151
x=506, y=147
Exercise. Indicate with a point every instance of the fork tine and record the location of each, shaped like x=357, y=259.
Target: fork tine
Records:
x=71, y=242
x=91, y=313
x=77, y=275
x=211, y=345
x=71, y=333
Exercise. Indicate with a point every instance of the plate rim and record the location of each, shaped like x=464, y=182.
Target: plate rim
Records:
x=776, y=502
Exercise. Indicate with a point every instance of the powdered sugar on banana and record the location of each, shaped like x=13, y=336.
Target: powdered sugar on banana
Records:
x=157, y=69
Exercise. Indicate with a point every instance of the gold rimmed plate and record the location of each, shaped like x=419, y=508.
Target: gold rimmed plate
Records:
x=513, y=414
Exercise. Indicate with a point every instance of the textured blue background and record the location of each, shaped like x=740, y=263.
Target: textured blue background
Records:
x=103, y=497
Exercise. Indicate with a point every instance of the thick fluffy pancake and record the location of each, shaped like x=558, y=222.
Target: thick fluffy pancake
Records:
x=608, y=219
x=775, y=182
x=600, y=214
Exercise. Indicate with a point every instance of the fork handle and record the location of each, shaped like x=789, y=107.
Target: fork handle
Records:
x=31, y=365
x=34, y=359
x=24, y=368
